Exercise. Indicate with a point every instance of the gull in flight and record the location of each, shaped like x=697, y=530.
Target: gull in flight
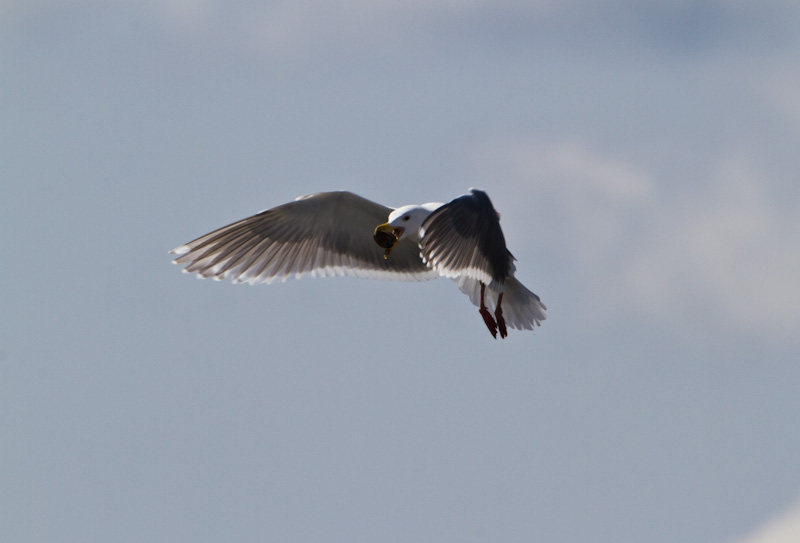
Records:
x=341, y=233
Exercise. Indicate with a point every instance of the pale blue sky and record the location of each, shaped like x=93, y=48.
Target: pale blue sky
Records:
x=643, y=156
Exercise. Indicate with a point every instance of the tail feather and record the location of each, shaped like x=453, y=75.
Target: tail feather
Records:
x=522, y=309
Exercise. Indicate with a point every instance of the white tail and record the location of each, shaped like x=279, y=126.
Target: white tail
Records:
x=522, y=309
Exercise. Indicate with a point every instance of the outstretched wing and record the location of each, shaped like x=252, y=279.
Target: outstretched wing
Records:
x=323, y=234
x=464, y=239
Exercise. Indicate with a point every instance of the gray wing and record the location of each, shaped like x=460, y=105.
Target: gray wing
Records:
x=323, y=234
x=464, y=238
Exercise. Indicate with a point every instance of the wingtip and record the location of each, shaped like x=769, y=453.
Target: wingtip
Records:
x=182, y=250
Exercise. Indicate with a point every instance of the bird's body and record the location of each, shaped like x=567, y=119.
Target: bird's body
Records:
x=340, y=233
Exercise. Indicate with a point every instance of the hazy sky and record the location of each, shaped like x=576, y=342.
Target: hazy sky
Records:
x=644, y=158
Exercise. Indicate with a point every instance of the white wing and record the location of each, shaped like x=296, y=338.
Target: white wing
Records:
x=323, y=234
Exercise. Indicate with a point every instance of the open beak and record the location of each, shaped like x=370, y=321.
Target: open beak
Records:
x=387, y=237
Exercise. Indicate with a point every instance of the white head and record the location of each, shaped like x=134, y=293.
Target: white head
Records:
x=410, y=219
x=404, y=221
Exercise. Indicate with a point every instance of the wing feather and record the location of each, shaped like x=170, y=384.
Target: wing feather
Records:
x=464, y=238
x=323, y=234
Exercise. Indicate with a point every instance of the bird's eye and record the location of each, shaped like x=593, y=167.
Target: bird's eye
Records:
x=406, y=218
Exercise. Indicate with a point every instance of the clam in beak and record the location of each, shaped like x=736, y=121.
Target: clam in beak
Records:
x=387, y=237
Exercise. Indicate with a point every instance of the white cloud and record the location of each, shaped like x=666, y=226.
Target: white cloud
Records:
x=571, y=164
x=186, y=14
x=782, y=89
x=289, y=27
x=591, y=197
x=593, y=193
x=283, y=27
x=727, y=250
x=784, y=528
x=720, y=253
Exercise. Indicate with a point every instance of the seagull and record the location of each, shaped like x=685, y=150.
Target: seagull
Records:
x=343, y=234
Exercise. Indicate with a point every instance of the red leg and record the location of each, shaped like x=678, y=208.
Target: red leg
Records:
x=487, y=317
x=498, y=314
